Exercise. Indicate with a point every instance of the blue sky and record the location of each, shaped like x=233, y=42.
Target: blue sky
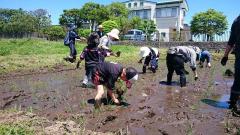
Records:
x=230, y=8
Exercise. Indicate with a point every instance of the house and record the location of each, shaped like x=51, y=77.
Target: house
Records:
x=168, y=15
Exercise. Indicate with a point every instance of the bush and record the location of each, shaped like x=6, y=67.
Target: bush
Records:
x=109, y=25
x=55, y=32
x=84, y=32
x=15, y=129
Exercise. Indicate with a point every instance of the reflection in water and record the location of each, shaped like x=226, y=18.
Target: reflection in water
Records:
x=137, y=130
x=218, y=102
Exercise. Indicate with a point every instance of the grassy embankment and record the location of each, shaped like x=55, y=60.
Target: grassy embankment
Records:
x=33, y=54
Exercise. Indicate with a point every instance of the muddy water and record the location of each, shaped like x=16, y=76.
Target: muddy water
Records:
x=154, y=108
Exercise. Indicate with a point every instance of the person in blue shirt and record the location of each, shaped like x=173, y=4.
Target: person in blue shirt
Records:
x=72, y=37
x=205, y=55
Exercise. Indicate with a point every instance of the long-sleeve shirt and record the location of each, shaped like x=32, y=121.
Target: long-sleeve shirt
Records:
x=187, y=52
x=235, y=34
x=105, y=42
x=72, y=36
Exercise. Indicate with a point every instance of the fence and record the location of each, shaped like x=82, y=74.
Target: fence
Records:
x=217, y=38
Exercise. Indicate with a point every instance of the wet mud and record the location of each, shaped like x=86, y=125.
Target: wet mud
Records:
x=151, y=107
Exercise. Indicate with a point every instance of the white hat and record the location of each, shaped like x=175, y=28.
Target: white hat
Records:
x=196, y=49
x=155, y=50
x=144, y=51
x=100, y=26
x=114, y=33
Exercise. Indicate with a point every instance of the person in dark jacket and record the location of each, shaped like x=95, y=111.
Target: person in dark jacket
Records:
x=100, y=31
x=234, y=41
x=106, y=74
x=92, y=56
x=72, y=37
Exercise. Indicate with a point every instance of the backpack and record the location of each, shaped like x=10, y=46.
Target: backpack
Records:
x=66, y=39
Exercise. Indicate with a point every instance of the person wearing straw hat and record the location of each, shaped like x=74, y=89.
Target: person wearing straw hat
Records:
x=100, y=31
x=234, y=42
x=176, y=57
x=106, y=74
x=150, y=55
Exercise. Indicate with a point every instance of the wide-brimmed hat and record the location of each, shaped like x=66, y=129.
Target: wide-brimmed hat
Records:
x=114, y=33
x=144, y=51
x=100, y=27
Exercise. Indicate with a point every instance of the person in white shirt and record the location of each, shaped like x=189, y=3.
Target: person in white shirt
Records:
x=176, y=57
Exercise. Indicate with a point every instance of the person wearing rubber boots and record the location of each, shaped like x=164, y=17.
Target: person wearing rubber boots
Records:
x=106, y=74
x=150, y=56
x=176, y=57
x=72, y=37
x=234, y=41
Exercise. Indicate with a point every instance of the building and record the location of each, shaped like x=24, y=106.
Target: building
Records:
x=168, y=15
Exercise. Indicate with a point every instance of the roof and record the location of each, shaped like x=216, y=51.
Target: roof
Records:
x=155, y=1
x=163, y=2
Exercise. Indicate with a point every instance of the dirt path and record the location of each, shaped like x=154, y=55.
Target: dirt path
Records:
x=154, y=108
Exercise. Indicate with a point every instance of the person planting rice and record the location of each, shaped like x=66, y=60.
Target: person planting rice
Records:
x=205, y=55
x=234, y=41
x=176, y=57
x=106, y=74
x=93, y=56
x=107, y=40
x=149, y=55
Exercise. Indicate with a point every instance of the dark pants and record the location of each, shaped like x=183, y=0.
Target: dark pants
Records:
x=205, y=58
x=235, y=90
x=146, y=63
x=176, y=63
x=89, y=72
x=73, y=51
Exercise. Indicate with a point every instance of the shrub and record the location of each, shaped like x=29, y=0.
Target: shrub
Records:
x=84, y=32
x=55, y=32
x=109, y=25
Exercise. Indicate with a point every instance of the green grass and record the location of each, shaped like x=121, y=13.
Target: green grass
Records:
x=15, y=129
x=33, y=54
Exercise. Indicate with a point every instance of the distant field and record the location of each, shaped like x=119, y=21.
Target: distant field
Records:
x=28, y=54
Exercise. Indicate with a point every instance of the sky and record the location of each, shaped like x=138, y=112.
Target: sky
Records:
x=230, y=8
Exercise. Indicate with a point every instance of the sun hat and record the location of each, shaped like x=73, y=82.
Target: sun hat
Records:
x=100, y=26
x=114, y=33
x=144, y=51
x=131, y=74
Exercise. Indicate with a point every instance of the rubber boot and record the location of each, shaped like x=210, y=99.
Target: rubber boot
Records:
x=144, y=69
x=169, y=79
x=183, y=81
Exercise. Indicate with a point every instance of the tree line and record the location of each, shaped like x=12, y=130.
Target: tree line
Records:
x=17, y=23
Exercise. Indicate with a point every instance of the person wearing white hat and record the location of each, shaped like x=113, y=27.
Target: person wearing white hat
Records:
x=151, y=55
x=176, y=57
x=106, y=74
x=100, y=31
x=106, y=41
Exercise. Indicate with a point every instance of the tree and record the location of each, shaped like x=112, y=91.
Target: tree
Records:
x=43, y=19
x=135, y=22
x=109, y=25
x=55, y=32
x=148, y=27
x=123, y=24
x=72, y=16
x=117, y=9
x=209, y=23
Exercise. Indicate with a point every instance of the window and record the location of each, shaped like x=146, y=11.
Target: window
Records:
x=135, y=4
x=141, y=4
x=166, y=12
x=138, y=33
x=145, y=14
x=129, y=5
x=163, y=34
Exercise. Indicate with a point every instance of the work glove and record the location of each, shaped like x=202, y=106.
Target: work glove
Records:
x=118, y=53
x=195, y=78
x=140, y=61
x=224, y=61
